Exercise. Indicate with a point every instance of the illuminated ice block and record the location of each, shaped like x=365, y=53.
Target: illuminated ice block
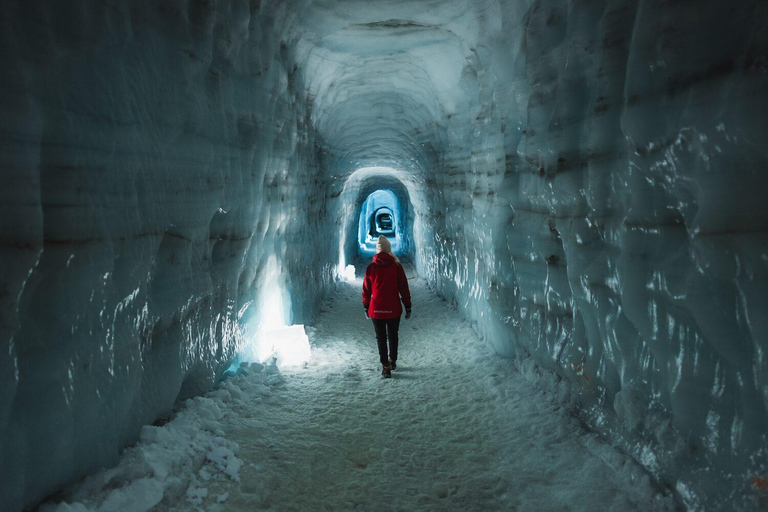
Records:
x=290, y=345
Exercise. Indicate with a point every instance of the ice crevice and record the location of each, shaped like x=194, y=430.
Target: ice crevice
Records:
x=582, y=181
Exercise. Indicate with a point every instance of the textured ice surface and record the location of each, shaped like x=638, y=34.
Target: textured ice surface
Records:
x=584, y=179
x=335, y=436
x=154, y=161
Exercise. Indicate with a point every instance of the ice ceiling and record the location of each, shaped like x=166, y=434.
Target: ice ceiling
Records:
x=584, y=180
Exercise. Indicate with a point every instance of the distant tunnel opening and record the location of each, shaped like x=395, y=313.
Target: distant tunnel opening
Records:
x=380, y=214
x=377, y=201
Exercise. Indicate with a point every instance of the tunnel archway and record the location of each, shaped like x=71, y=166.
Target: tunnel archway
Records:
x=380, y=214
x=406, y=194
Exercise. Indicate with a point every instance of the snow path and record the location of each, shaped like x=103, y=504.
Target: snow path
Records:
x=456, y=428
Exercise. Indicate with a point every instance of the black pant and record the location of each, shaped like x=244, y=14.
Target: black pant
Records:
x=384, y=327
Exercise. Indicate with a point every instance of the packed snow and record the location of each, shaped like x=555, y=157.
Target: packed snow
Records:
x=456, y=427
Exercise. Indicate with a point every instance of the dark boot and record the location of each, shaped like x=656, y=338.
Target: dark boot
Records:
x=392, y=364
x=386, y=371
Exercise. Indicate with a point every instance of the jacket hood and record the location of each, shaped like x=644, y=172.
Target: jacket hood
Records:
x=384, y=259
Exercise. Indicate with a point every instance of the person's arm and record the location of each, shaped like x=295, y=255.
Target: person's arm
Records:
x=405, y=293
x=366, y=291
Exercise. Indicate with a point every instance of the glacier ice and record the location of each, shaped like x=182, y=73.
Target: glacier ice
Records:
x=584, y=180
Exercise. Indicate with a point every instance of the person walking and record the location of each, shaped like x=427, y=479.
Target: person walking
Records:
x=384, y=286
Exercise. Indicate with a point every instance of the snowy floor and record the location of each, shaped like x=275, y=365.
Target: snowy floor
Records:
x=456, y=428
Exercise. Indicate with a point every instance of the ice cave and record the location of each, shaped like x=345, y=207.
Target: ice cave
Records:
x=191, y=192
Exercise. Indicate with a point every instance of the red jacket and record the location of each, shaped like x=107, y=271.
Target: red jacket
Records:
x=384, y=284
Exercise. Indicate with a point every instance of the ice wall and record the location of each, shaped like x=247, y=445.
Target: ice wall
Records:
x=154, y=157
x=583, y=178
x=612, y=227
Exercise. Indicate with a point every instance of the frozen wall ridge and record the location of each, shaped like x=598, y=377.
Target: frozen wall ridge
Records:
x=582, y=179
x=154, y=159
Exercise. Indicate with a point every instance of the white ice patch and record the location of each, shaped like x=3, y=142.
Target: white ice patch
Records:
x=269, y=335
x=289, y=345
x=348, y=274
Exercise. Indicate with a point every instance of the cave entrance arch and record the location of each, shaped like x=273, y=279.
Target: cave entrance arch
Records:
x=368, y=193
x=380, y=214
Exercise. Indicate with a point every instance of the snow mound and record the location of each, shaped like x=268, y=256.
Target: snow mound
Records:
x=175, y=463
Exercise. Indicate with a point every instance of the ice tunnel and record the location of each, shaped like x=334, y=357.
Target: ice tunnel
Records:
x=379, y=216
x=584, y=181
